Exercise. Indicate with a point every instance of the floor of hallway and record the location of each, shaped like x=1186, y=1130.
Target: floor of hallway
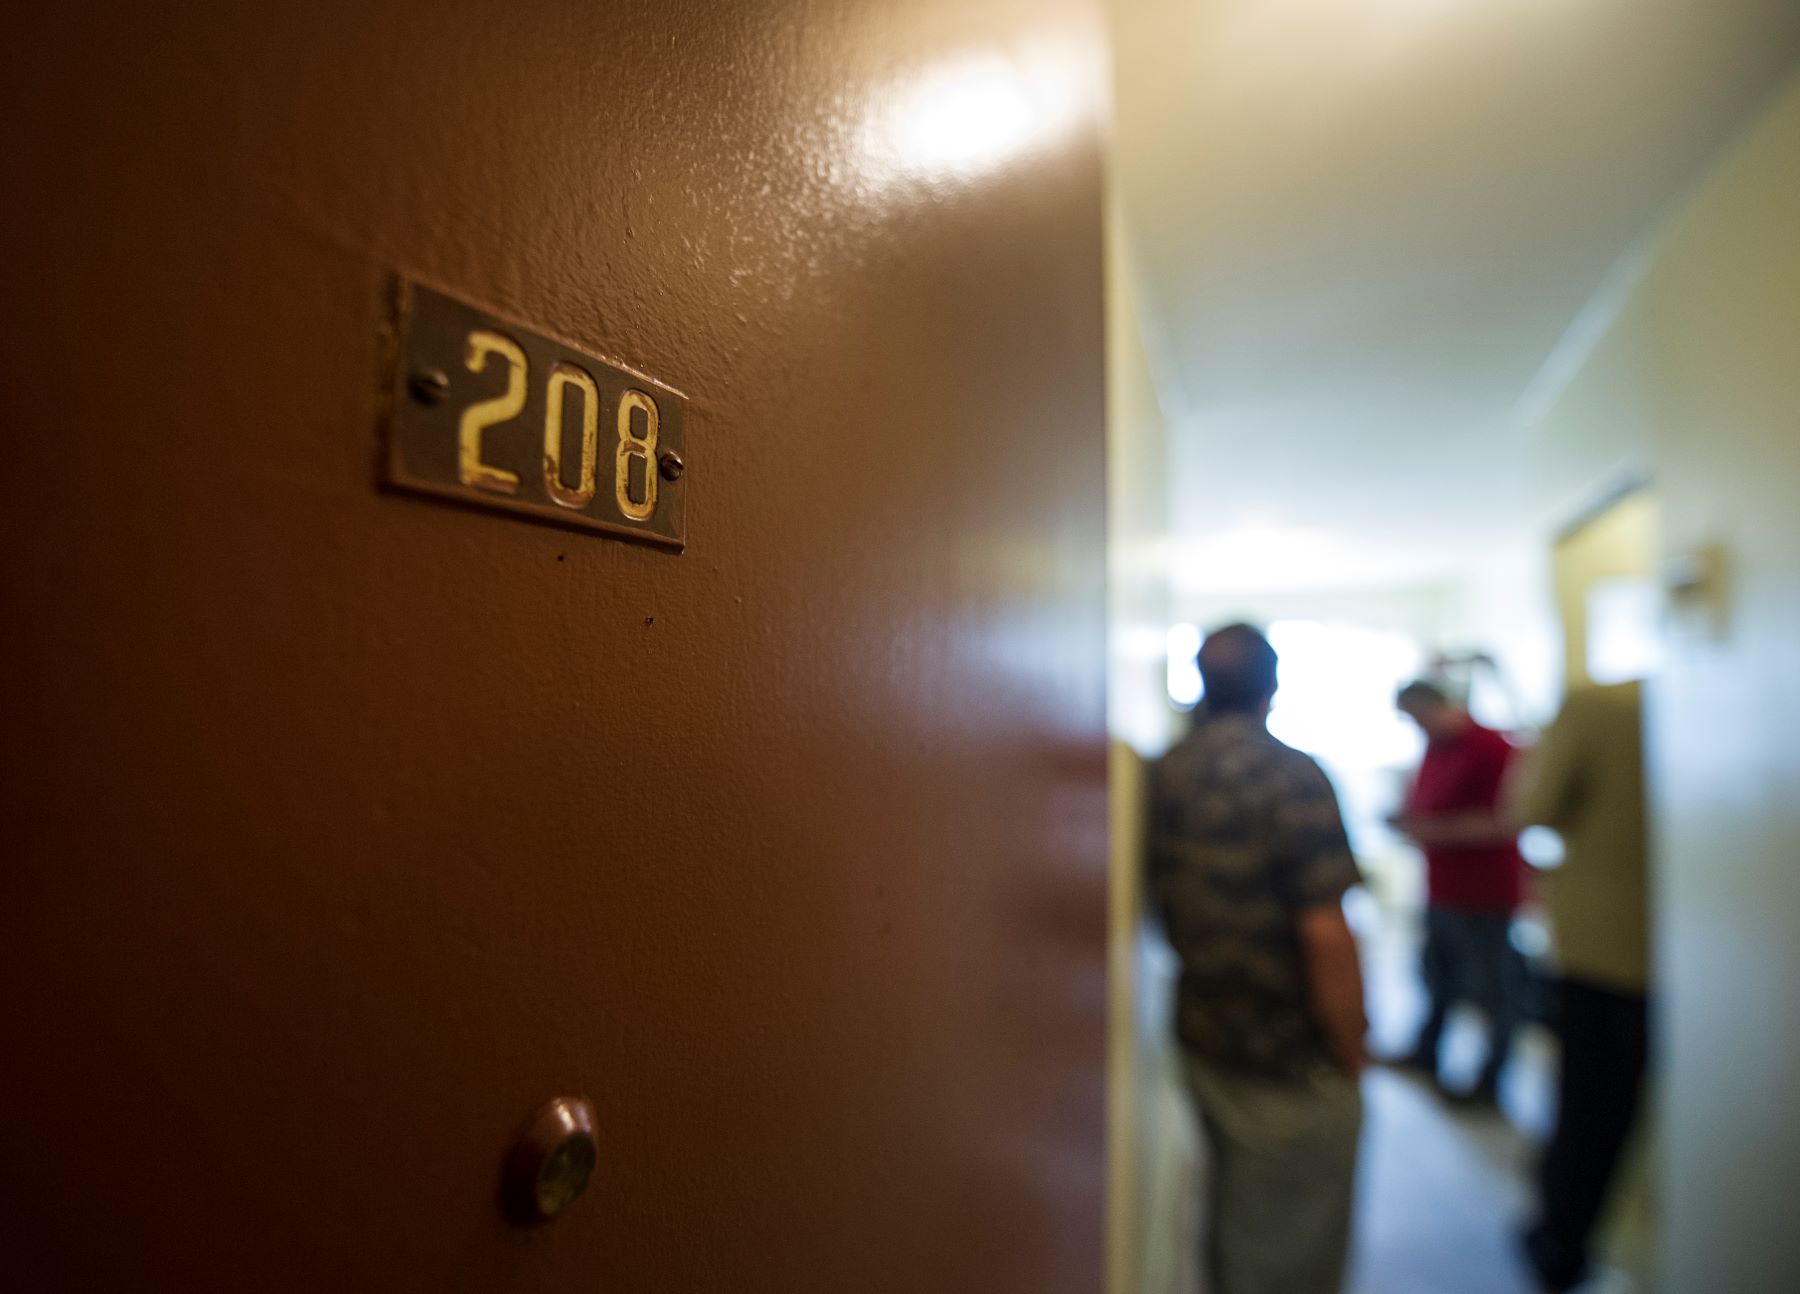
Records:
x=1440, y=1193
x=1441, y=1190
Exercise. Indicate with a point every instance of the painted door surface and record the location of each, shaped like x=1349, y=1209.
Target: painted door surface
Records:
x=343, y=828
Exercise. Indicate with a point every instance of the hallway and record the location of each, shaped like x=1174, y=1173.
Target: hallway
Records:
x=1439, y=1195
x=1454, y=341
x=1440, y=1190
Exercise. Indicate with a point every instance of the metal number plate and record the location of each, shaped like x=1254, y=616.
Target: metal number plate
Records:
x=491, y=414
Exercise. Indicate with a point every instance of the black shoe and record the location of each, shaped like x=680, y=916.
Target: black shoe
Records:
x=1550, y=1262
x=1420, y=1060
x=1485, y=1095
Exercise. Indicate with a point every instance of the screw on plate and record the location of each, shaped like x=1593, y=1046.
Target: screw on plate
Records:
x=429, y=386
x=670, y=465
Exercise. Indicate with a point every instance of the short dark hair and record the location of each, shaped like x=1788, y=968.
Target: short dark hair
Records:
x=1237, y=668
x=1421, y=694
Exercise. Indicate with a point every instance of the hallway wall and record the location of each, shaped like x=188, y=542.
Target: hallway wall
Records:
x=1137, y=501
x=1698, y=374
x=1142, y=1152
x=1505, y=605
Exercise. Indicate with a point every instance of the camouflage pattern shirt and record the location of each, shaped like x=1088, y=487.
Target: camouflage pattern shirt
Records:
x=1244, y=832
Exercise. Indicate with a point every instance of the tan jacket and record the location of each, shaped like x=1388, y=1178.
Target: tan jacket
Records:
x=1585, y=779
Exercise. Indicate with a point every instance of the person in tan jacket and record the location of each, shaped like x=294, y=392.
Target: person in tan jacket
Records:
x=1585, y=780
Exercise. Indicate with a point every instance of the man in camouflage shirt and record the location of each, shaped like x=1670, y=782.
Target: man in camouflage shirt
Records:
x=1249, y=864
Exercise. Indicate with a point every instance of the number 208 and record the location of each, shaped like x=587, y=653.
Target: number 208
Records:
x=566, y=381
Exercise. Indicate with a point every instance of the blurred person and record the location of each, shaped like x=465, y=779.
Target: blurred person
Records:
x=1474, y=880
x=1585, y=780
x=1249, y=864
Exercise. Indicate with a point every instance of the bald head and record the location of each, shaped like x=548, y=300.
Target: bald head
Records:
x=1237, y=667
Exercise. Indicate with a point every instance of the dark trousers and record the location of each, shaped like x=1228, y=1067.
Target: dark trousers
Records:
x=1469, y=957
x=1605, y=1047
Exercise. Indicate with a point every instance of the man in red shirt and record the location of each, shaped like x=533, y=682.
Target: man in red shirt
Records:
x=1474, y=876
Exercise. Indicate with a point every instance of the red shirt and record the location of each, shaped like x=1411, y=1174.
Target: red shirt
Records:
x=1463, y=774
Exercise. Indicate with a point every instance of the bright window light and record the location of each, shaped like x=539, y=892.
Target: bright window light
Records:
x=1337, y=692
x=1184, y=673
x=1336, y=702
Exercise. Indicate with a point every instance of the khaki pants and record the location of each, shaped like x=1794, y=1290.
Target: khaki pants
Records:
x=1283, y=1167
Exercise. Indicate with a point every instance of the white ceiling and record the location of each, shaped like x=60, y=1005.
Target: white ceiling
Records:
x=1362, y=227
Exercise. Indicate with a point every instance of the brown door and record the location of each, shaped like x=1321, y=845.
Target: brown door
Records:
x=343, y=827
